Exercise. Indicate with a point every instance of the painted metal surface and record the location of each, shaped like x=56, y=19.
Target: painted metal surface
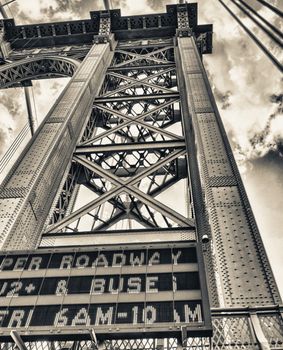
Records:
x=241, y=266
x=26, y=195
x=127, y=152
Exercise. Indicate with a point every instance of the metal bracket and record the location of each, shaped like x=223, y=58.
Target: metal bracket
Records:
x=18, y=340
x=184, y=335
x=31, y=118
x=96, y=345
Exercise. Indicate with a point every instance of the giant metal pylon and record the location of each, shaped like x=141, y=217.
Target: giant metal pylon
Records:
x=92, y=256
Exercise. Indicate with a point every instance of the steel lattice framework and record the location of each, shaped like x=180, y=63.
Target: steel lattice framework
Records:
x=14, y=73
x=134, y=157
x=137, y=120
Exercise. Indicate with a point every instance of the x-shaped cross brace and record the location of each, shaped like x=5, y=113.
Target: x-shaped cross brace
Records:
x=127, y=186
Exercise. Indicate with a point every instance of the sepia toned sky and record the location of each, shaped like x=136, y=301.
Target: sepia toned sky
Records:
x=247, y=87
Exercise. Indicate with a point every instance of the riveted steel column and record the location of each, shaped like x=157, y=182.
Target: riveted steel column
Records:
x=28, y=191
x=241, y=267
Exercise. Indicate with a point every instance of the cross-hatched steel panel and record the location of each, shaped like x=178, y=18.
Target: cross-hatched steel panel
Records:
x=272, y=327
x=232, y=332
x=56, y=345
x=222, y=181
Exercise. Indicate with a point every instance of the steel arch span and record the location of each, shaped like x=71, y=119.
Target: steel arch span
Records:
x=36, y=68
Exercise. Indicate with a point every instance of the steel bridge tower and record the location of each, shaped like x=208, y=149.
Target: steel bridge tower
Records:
x=94, y=253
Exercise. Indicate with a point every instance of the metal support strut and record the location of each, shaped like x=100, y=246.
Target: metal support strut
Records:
x=18, y=340
x=107, y=4
x=31, y=119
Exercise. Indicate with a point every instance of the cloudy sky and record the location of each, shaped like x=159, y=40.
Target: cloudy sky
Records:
x=247, y=87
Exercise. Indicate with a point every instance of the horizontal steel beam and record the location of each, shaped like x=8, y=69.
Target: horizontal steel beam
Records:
x=98, y=299
x=124, y=46
x=128, y=98
x=172, y=118
x=144, y=67
x=99, y=238
x=129, y=147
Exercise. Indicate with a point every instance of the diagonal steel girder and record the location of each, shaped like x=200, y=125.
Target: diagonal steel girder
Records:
x=133, y=215
x=106, y=197
x=129, y=120
x=171, y=94
x=133, y=120
x=141, y=67
x=122, y=210
x=126, y=186
x=137, y=56
x=120, y=215
x=172, y=119
x=136, y=82
x=176, y=117
x=122, y=172
x=128, y=147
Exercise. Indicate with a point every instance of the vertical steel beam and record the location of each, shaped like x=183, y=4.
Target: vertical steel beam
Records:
x=29, y=189
x=233, y=228
x=31, y=119
x=107, y=4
